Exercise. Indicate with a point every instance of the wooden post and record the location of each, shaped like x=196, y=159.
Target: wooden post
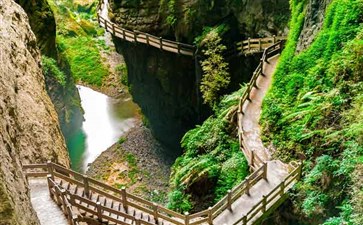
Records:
x=50, y=169
x=161, y=43
x=264, y=203
x=105, y=24
x=63, y=195
x=50, y=186
x=299, y=171
x=229, y=200
x=265, y=171
x=244, y=220
x=156, y=216
x=210, y=214
x=260, y=44
x=147, y=39
x=179, y=48
x=98, y=19
x=124, y=34
x=86, y=186
x=99, y=211
x=252, y=158
x=124, y=200
x=135, y=36
x=113, y=29
x=248, y=186
x=137, y=222
x=186, y=218
x=282, y=188
x=57, y=195
x=249, y=44
x=274, y=39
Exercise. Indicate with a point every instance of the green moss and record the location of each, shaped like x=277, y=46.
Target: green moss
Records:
x=51, y=69
x=211, y=157
x=78, y=41
x=313, y=110
x=84, y=58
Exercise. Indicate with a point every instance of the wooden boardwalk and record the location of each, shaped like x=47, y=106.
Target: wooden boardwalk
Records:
x=83, y=199
x=246, y=47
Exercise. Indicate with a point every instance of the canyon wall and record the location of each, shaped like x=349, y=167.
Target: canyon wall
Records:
x=165, y=85
x=29, y=124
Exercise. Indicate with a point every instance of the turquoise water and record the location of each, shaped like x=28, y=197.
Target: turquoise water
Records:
x=106, y=120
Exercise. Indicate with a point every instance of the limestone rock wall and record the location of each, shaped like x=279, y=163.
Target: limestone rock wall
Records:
x=29, y=127
x=164, y=84
x=315, y=13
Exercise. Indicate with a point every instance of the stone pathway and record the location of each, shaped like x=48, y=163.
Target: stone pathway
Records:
x=252, y=111
x=47, y=210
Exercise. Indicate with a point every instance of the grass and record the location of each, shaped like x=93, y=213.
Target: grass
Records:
x=78, y=40
x=51, y=69
x=313, y=111
x=212, y=161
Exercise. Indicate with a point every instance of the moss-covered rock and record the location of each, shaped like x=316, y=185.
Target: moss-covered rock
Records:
x=313, y=111
x=42, y=22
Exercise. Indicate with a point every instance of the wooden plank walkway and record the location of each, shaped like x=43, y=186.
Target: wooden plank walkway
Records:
x=47, y=210
x=84, y=199
x=246, y=47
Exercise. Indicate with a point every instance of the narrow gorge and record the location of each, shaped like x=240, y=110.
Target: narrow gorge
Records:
x=181, y=112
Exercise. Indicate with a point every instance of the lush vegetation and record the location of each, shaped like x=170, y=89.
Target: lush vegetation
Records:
x=78, y=39
x=314, y=112
x=51, y=69
x=215, y=77
x=212, y=163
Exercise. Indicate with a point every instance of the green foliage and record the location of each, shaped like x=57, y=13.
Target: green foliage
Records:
x=84, y=58
x=122, y=140
x=215, y=70
x=314, y=110
x=169, y=6
x=179, y=201
x=122, y=70
x=211, y=156
x=51, y=69
x=220, y=29
x=78, y=41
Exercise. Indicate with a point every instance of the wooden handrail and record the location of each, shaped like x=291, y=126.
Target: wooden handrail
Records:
x=197, y=218
x=141, y=37
x=89, y=185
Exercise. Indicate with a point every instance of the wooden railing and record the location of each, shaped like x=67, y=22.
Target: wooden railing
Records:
x=141, y=37
x=53, y=171
x=55, y=192
x=66, y=200
x=253, y=159
x=255, y=45
x=270, y=200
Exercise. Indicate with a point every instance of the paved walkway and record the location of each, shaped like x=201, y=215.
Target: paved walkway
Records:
x=252, y=111
x=47, y=210
x=276, y=173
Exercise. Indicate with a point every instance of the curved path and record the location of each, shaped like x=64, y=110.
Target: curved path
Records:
x=250, y=46
x=85, y=199
x=140, y=37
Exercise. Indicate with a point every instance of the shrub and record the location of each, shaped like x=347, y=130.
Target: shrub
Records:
x=215, y=70
x=51, y=69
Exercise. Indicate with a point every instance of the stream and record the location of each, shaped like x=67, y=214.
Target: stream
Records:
x=106, y=120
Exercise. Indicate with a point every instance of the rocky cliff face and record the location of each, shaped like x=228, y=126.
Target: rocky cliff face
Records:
x=64, y=97
x=29, y=124
x=165, y=84
x=42, y=22
x=315, y=12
